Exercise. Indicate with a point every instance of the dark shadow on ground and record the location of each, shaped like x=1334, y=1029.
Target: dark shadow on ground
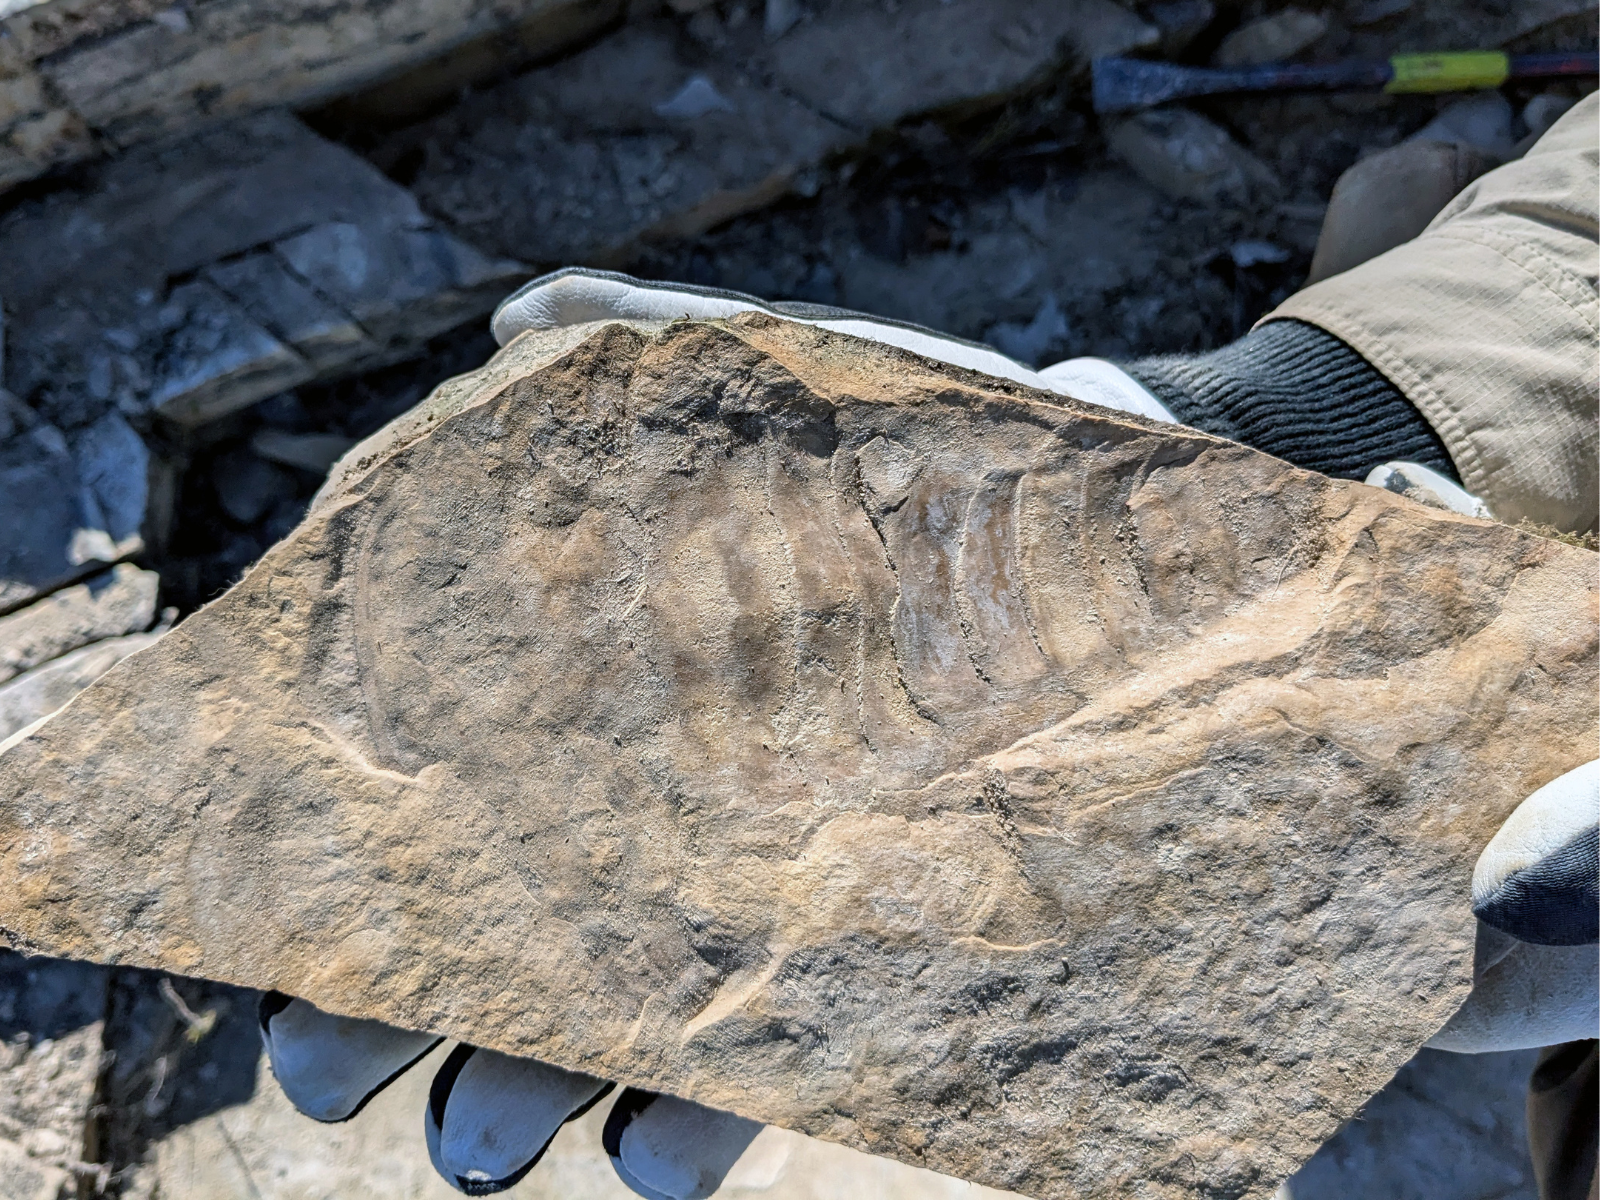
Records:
x=1448, y=1127
x=170, y=1050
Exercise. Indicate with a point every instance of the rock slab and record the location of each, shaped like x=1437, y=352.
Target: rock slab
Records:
x=81, y=76
x=68, y=508
x=1007, y=786
x=188, y=280
x=121, y=600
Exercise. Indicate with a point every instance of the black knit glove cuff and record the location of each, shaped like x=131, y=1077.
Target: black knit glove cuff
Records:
x=1300, y=394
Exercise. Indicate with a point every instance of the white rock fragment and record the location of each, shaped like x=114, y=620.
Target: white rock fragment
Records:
x=403, y=285
x=52, y=1055
x=1188, y=157
x=248, y=487
x=695, y=98
x=1483, y=121
x=307, y=451
x=272, y=294
x=67, y=509
x=26, y=1178
x=1270, y=39
x=1253, y=253
x=119, y=601
x=114, y=471
x=1543, y=111
x=36, y=694
x=219, y=360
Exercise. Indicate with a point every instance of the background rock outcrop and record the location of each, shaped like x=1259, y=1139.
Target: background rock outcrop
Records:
x=80, y=77
x=1006, y=786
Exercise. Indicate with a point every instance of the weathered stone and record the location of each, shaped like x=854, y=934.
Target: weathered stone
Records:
x=38, y=693
x=51, y=1054
x=176, y=208
x=1189, y=157
x=79, y=75
x=97, y=321
x=1271, y=38
x=1485, y=121
x=1084, y=244
x=23, y=1177
x=570, y=166
x=312, y=263
x=121, y=600
x=213, y=359
x=114, y=473
x=247, y=487
x=40, y=512
x=564, y=165
x=264, y=286
x=314, y=452
x=867, y=67
x=539, y=34
x=67, y=510
x=1180, y=22
x=404, y=285
x=879, y=750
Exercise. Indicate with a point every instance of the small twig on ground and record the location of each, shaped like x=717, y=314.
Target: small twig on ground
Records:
x=99, y=1173
x=153, y=1103
x=197, y=1024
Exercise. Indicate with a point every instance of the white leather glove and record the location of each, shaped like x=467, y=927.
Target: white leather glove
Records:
x=1536, y=891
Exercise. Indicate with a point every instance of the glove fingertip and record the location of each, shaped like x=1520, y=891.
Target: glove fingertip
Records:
x=1538, y=879
x=1552, y=902
x=629, y=1105
x=330, y=1067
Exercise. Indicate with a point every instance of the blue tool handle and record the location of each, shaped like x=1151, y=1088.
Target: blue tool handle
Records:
x=1129, y=84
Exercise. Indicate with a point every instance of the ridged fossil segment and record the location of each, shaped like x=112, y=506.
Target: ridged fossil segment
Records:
x=1015, y=788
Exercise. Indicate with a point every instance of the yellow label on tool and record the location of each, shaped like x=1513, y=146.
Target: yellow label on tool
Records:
x=1448, y=72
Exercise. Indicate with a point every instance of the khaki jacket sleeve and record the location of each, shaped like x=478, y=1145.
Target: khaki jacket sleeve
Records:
x=1488, y=323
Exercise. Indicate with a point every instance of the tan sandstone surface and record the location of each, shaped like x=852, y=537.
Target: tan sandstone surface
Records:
x=1018, y=789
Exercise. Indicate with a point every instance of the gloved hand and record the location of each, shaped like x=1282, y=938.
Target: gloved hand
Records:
x=1536, y=892
x=491, y=1117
